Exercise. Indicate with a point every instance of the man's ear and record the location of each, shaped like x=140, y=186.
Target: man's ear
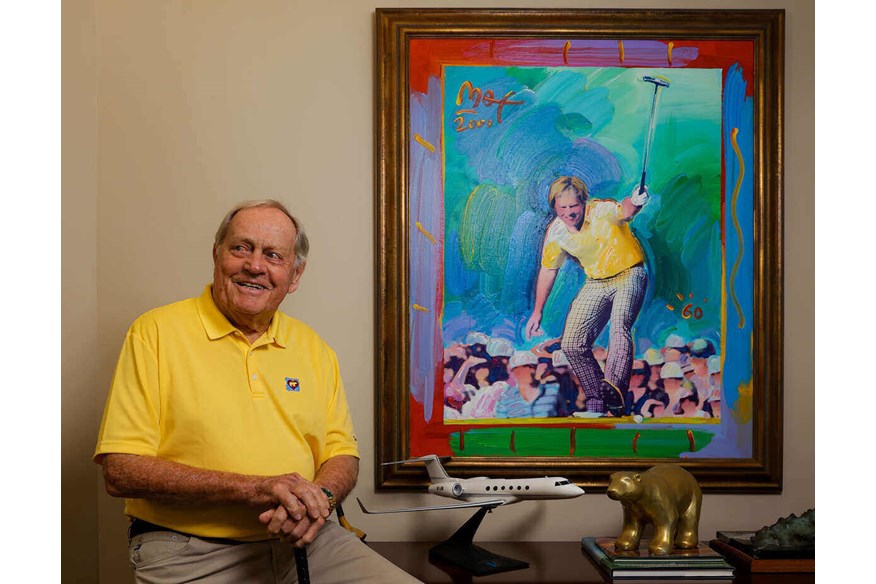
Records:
x=215, y=252
x=296, y=278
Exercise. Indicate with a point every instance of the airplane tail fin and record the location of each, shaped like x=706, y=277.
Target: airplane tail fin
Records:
x=436, y=471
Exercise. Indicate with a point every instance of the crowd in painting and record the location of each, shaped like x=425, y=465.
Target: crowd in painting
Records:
x=487, y=378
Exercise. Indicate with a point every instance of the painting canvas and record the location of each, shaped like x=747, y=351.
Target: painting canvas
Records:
x=582, y=260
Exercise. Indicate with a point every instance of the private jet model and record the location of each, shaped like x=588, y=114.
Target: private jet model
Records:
x=483, y=491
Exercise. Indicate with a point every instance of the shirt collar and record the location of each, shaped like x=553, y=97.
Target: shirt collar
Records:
x=276, y=333
x=217, y=325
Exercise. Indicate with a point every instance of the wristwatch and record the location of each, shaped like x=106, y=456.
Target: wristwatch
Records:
x=331, y=499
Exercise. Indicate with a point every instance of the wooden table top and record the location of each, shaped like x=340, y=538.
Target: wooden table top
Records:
x=556, y=562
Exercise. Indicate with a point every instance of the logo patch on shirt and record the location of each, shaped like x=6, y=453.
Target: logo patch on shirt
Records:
x=292, y=384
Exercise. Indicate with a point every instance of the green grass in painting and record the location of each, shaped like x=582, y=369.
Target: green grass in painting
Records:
x=591, y=443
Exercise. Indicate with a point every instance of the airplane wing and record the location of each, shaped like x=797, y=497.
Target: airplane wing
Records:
x=490, y=503
x=420, y=459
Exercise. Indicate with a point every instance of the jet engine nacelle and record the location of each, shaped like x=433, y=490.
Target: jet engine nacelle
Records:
x=448, y=489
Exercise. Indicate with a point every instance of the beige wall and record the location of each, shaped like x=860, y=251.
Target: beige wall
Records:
x=80, y=366
x=173, y=110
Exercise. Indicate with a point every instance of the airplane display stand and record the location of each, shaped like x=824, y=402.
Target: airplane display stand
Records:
x=458, y=550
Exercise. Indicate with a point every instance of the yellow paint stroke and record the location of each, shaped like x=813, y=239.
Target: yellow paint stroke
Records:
x=670, y=307
x=564, y=422
x=566, y=48
x=679, y=296
x=738, y=227
x=744, y=408
x=428, y=235
x=669, y=52
x=422, y=142
x=620, y=50
x=420, y=308
x=672, y=420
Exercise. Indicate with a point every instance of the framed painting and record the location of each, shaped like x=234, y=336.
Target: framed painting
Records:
x=579, y=243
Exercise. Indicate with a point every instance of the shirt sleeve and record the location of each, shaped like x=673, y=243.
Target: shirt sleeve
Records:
x=340, y=438
x=130, y=422
x=605, y=210
x=552, y=255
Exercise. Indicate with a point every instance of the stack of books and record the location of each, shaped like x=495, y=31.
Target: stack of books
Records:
x=737, y=547
x=701, y=562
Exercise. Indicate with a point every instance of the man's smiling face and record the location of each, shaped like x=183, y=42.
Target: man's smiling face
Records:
x=254, y=267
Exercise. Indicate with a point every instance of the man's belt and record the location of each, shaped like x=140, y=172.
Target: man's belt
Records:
x=139, y=527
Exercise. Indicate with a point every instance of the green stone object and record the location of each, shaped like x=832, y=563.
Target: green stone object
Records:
x=789, y=532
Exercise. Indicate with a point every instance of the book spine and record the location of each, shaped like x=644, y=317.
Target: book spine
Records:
x=597, y=554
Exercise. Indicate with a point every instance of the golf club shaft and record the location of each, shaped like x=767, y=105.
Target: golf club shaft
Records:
x=648, y=139
x=301, y=565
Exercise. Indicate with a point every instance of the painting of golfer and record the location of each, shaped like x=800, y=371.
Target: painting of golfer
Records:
x=579, y=239
x=572, y=226
x=579, y=202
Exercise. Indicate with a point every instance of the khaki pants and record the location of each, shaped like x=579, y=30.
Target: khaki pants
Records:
x=336, y=556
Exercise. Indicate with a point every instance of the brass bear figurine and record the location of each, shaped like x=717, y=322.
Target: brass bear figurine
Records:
x=665, y=495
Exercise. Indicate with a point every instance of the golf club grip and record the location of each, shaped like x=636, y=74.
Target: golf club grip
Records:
x=301, y=565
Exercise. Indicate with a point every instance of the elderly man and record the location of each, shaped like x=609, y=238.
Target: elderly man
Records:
x=227, y=428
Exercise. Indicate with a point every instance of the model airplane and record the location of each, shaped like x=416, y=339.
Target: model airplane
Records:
x=483, y=491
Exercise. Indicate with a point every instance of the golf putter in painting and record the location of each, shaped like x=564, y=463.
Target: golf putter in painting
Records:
x=659, y=83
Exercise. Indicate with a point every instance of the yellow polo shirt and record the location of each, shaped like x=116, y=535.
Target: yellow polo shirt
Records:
x=605, y=246
x=188, y=387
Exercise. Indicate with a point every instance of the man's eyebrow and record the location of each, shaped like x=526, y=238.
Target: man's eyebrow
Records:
x=265, y=247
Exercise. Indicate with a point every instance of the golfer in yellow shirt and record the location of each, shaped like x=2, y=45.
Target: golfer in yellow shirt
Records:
x=597, y=234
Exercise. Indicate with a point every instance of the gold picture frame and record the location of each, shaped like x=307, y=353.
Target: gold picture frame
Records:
x=418, y=47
